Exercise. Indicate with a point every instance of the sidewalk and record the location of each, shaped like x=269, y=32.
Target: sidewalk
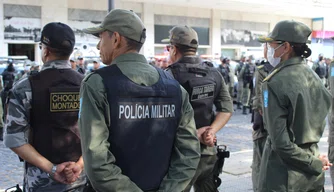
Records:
x=237, y=135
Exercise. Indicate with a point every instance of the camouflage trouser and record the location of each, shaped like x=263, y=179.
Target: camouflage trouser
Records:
x=240, y=90
x=36, y=180
x=203, y=180
x=258, y=146
x=246, y=96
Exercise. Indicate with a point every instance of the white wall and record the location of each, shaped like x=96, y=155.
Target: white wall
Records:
x=265, y=18
x=58, y=11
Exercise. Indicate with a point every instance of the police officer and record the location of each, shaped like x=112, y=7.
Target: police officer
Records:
x=80, y=65
x=42, y=117
x=226, y=71
x=136, y=122
x=320, y=68
x=8, y=78
x=206, y=88
x=247, y=74
x=331, y=120
x=240, y=81
x=96, y=65
x=73, y=64
x=295, y=105
x=259, y=133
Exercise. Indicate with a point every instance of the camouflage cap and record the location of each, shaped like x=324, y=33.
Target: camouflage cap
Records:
x=289, y=31
x=125, y=22
x=182, y=35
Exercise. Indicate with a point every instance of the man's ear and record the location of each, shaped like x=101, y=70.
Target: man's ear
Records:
x=117, y=39
x=288, y=48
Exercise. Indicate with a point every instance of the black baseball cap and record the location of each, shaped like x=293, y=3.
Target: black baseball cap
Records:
x=58, y=35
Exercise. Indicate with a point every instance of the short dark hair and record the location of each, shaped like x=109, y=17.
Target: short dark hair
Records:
x=62, y=53
x=131, y=44
x=183, y=49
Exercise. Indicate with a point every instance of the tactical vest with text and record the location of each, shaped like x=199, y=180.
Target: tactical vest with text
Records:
x=203, y=84
x=54, y=114
x=144, y=121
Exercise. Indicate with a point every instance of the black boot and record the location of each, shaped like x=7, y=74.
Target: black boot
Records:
x=244, y=112
x=239, y=105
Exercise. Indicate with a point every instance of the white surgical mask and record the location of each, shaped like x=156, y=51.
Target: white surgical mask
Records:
x=270, y=56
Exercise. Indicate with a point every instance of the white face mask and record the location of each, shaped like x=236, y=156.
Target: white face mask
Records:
x=270, y=56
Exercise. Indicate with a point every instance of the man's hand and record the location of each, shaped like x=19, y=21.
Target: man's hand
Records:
x=209, y=137
x=206, y=136
x=200, y=133
x=60, y=175
x=72, y=172
x=260, y=112
x=325, y=162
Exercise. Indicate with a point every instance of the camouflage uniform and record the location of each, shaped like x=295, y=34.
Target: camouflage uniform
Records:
x=331, y=123
x=17, y=130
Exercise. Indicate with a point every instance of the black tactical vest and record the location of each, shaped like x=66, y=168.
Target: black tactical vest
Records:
x=8, y=80
x=320, y=70
x=248, y=73
x=203, y=84
x=54, y=114
x=144, y=121
x=225, y=72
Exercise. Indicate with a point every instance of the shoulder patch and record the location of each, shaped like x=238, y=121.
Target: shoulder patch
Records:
x=260, y=67
x=332, y=72
x=265, y=98
x=271, y=75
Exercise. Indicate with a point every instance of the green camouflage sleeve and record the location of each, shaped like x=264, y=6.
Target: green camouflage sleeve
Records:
x=94, y=118
x=259, y=77
x=18, y=114
x=223, y=102
x=186, y=153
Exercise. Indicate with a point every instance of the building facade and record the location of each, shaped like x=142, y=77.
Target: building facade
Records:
x=228, y=31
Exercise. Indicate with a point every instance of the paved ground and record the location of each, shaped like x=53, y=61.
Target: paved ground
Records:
x=237, y=135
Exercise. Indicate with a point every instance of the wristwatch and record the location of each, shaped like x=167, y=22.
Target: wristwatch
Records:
x=53, y=171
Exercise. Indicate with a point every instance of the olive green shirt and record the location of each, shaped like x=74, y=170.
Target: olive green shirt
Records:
x=295, y=105
x=260, y=75
x=331, y=114
x=94, y=119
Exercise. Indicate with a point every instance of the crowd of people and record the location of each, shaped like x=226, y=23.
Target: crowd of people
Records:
x=131, y=126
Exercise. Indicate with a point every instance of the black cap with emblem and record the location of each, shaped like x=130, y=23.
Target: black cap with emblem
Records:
x=58, y=35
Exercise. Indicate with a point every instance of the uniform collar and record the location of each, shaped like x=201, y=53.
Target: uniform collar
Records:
x=291, y=61
x=58, y=64
x=129, y=57
x=189, y=60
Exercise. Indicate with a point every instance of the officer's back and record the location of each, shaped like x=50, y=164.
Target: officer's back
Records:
x=206, y=88
x=43, y=114
x=135, y=116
